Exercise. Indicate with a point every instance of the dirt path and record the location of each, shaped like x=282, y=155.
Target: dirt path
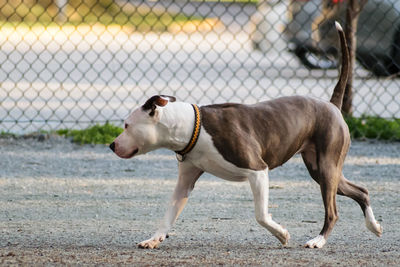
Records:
x=67, y=204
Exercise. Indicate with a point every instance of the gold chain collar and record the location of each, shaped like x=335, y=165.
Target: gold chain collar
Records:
x=181, y=155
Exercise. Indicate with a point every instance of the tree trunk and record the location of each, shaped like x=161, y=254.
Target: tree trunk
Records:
x=353, y=10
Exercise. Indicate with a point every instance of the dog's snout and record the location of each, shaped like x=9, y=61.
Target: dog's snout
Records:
x=112, y=146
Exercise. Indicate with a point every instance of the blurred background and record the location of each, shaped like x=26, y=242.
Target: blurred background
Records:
x=75, y=63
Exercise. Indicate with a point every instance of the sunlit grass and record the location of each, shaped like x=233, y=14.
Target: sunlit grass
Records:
x=108, y=13
x=98, y=134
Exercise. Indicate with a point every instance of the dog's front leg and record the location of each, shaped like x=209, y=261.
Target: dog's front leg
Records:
x=260, y=187
x=188, y=175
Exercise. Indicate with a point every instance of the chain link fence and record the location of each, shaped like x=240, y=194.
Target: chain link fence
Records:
x=74, y=63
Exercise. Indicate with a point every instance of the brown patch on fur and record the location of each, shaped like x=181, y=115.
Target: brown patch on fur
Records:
x=157, y=100
x=269, y=133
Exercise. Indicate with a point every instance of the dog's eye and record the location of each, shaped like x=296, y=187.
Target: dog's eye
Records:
x=126, y=125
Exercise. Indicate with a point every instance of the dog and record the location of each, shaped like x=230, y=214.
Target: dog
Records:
x=240, y=142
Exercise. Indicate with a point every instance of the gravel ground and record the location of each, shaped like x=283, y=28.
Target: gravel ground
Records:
x=63, y=203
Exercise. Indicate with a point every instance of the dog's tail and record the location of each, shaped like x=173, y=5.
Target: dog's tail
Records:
x=338, y=92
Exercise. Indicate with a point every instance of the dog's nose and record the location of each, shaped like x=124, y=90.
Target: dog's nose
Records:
x=112, y=146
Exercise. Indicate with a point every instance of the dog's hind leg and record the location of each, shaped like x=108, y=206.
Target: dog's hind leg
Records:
x=260, y=187
x=344, y=188
x=328, y=174
x=360, y=195
x=310, y=160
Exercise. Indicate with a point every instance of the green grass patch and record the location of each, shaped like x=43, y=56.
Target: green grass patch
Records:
x=7, y=134
x=98, y=134
x=371, y=127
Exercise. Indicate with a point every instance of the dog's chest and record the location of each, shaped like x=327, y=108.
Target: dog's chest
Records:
x=221, y=169
x=206, y=157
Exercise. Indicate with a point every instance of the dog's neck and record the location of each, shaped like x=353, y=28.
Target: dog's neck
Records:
x=178, y=118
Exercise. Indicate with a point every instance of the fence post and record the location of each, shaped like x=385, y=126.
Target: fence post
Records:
x=353, y=10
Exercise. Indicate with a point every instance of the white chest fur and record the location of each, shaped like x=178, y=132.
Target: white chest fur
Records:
x=206, y=157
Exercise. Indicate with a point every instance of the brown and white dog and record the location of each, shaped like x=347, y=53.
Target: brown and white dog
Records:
x=242, y=142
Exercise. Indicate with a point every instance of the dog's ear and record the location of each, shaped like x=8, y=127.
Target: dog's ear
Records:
x=168, y=98
x=157, y=100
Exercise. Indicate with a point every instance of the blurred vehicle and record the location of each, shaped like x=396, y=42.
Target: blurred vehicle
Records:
x=378, y=35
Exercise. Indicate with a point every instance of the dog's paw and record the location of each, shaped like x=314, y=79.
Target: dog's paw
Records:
x=374, y=227
x=151, y=243
x=284, y=238
x=371, y=223
x=317, y=242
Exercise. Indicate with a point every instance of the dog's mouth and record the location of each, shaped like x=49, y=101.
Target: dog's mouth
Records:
x=134, y=152
x=128, y=156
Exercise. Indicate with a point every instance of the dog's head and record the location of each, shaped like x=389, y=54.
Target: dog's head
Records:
x=143, y=128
